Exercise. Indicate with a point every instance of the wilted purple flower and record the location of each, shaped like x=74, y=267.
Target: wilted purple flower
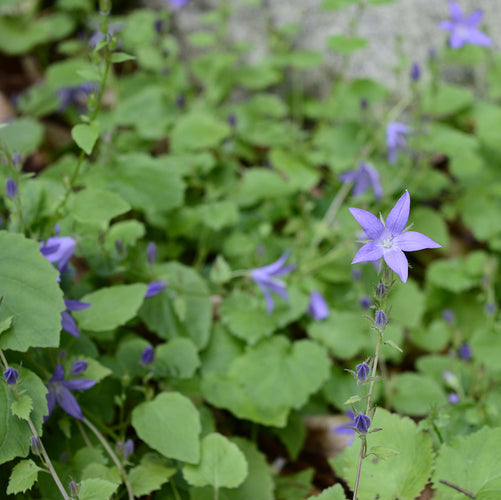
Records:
x=78, y=367
x=364, y=178
x=154, y=288
x=318, y=307
x=58, y=250
x=60, y=392
x=465, y=351
x=147, y=355
x=395, y=139
x=362, y=423
x=463, y=29
x=10, y=188
x=388, y=240
x=347, y=428
x=415, y=72
x=67, y=322
x=151, y=252
x=365, y=302
x=265, y=279
x=448, y=316
x=453, y=398
x=74, y=488
x=363, y=370
x=11, y=375
x=380, y=319
x=75, y=96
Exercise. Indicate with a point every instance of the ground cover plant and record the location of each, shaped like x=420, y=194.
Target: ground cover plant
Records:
x=200, y=257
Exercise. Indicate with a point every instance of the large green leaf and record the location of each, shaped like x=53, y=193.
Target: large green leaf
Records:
x=149, y=475
x=31, y=295
x=22, y=135
x=170, y=424
x=23, y=476
x=176, y=358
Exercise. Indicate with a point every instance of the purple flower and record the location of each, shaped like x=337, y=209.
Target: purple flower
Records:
x=75, y=96
x=318, y=307
x=176, y=4
x=98, y=36
x=347, y=428
x=154, y=288
x=147, y=355
x=11, y=375
x=362, y=423
x=78, y=367
x=448, y=316
x=266, y=279
x=363, y=370
x=10, y=188
x=126, y=449
x=151, y=252
x=380, y=319
x=67, y=322
x=415, y=72
x=389, y=240
x=365, y=302
x=453, y=398
x=395, y=139
x=58, y=250
x=364, y=178
x=463, y=29
x=60, y=392
x=465, y=351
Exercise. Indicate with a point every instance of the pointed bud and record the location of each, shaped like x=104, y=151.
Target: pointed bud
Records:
x=78, y=367
x=363, y=371
x=148, y=355
x=151, y=252
x=415, y=72
x=380, y=319
x=362, y=423
x=11, y=188
x=11, y=375
x=35, y=445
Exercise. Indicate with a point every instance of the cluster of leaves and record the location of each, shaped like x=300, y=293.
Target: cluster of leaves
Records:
x=178, y=176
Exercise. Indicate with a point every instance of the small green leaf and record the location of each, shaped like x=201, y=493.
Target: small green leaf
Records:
x=149, y=475
x=85, y=136
x=220, y=271
x=222, y=464
x=23, y=477
x=118, y=57
x=96, y=489
x=383, y=452
x=392, y=344
x=22, y=408
x=335, y=492
x=345, y=44
x=353, y=399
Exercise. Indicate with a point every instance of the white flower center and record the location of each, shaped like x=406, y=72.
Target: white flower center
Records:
x=388, y=242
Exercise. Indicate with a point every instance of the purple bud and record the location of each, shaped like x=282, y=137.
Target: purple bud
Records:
x=380, y=319
x=128, y=448
x=453, y=398
x=380, y=291
x=11, y=188
x=57, y=229
x=154, y=288
x=74, y=488
x=318, y=307
x=415, y=72
x=16, y=159
x=11, y=375
x=365, y=302
x=78, y=367
x=232, y=120
x=364, y=103
x=362, y=423
x=151, y=252
x=356, y=274
x=363, y=371
x=448, y=316
x=35, y=445
x=119, y=246
x=490, y=307
x=158, y=25
x=465, y=351
x=148, y=355
x=180, y=101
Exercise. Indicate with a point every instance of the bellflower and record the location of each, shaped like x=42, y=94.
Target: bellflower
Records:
x=154, y=288
x=318, y=307
x=362, y=423
x=463, y=28
x=347, y=428
x=78, y=367
x=10, y=188
x=75, y=96
x=11, y=375
x=380, y=319
x=396, y=139
x=363, y=371
x=60, y=392
x=176, y=4
x=465, y=351
x=388, y=240
x=67, y=322
x=58, y=250
x=364, y=178
x=266, y=279
x=147, y=355
x=151, y=252
x=415, y=72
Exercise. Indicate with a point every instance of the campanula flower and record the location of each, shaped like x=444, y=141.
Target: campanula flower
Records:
x=75, y=96
x=364, y=178
x=125, y=449
x=396, y=139
x=154, y=288
x=147, y=355
x=415, y=72
x=363, y=370
x=453, y=398
x=10, y=188
x=11, y=375
x=362, y=423
x=151, y=252
x=98, y=36
x=67, y=322
x=388, y=240
x=176, y=4
x=78, y=367
x=347, y=428
x=448, y=316
x=266, y=279
x=463, y=28
x=60, y=393
x=58, y=250
x=365, y=302
x=380, y=319
x=318, y=307
x=465, y=351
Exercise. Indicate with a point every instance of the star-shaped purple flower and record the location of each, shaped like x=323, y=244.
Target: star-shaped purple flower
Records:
x=388, y=239
x=67, y=322
x=58, y=250
x=318, y=308
x=396, y=139
x=60, y=392
x=463, y=28
x=266, y=279
x=364, y=178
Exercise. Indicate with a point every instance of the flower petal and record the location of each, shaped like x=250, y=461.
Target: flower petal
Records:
x=397, y=261
x=275, y=266
x=76, y=305
x=399, y=215
x=58, y=375
x=368, y=253
x=372, y=226
x=456, y=12
x=68, y=403
x=68, y=324
x=457, y=40
x=474, y=18
x=410, y=241
x=267, y=295
x=79, y=384
x=476, y=37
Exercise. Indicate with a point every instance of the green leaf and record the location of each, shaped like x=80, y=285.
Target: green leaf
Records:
x=198, y=130
x=111, y=307
x=149, y=475
x=383, y=452
x=219, y=214
x=5, y=323
x=170, y=424
x=335, y=492
x=176, y=358
x=346, y=44
x=472, y=463
x=220, y=271
x=30, y=293
x=22, y=135
x=446, y=100
x=97, y=207
x=393, y=345
x=22, y=408
x=15, y=433
x=23, y=477
x=297, y=172
x=85, y=135
x=403, y=476
x=295, y=486
x=118, y=57
x=221, y=464
x=433, y=337
x=96, y=489
x=408, y=304
x=353, y=399
x=293, y=435
x=415, y=394
x=128, y=232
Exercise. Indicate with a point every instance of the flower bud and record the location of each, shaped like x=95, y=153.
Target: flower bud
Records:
x=35, y=445
x=465, y=351
x=74, y=488
x=453, y=398
x=380, y=291
x=448, y=316
x=362, y=423
x=11, y=188
x=365, y=302
x=363, y=370
x=151, y=252
x=415, y=72
x=148, y=355
x=78, y=367
x=11, y=375
x=380, y=319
